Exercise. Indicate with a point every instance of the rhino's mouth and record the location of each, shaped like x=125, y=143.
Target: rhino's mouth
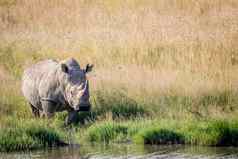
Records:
x=83, y=108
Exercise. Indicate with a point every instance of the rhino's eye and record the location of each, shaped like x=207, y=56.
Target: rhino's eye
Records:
x=71, y=93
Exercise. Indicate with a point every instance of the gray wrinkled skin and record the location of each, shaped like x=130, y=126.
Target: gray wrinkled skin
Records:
x=50, y=86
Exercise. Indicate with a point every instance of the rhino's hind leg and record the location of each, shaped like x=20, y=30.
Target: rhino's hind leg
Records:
x=35, y=111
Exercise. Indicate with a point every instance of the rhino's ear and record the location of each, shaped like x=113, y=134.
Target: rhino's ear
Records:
x=88, y=68
x=64, y=68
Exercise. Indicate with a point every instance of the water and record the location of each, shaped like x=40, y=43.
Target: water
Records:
x=121, y=151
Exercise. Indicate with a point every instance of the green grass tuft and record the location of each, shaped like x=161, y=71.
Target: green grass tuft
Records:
x=106, y=132
x=158, y=136
x=26, y=135
x=212, y=133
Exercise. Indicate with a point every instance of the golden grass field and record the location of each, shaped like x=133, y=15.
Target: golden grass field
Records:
x=146, y=49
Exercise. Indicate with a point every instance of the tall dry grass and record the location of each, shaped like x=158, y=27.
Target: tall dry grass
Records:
x=152, y=51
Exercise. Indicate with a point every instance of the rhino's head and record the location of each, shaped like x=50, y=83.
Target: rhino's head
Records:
x=76, y=85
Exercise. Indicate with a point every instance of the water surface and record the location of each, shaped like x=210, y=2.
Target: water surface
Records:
x=120, y=151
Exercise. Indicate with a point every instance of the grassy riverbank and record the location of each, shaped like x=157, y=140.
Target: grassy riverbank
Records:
x=19, y=134
x=208, y=133
x=165, y=71
x=32, y=134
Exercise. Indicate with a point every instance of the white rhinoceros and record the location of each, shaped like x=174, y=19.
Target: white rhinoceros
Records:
x=50, y=86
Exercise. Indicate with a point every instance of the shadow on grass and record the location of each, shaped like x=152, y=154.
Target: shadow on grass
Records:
x=119, y=104
x=159, y=136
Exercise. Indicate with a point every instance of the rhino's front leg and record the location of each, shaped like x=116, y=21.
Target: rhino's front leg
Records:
x=71, y=118
x=48, y=109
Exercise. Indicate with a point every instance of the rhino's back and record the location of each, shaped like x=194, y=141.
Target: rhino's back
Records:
x=32, y=77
